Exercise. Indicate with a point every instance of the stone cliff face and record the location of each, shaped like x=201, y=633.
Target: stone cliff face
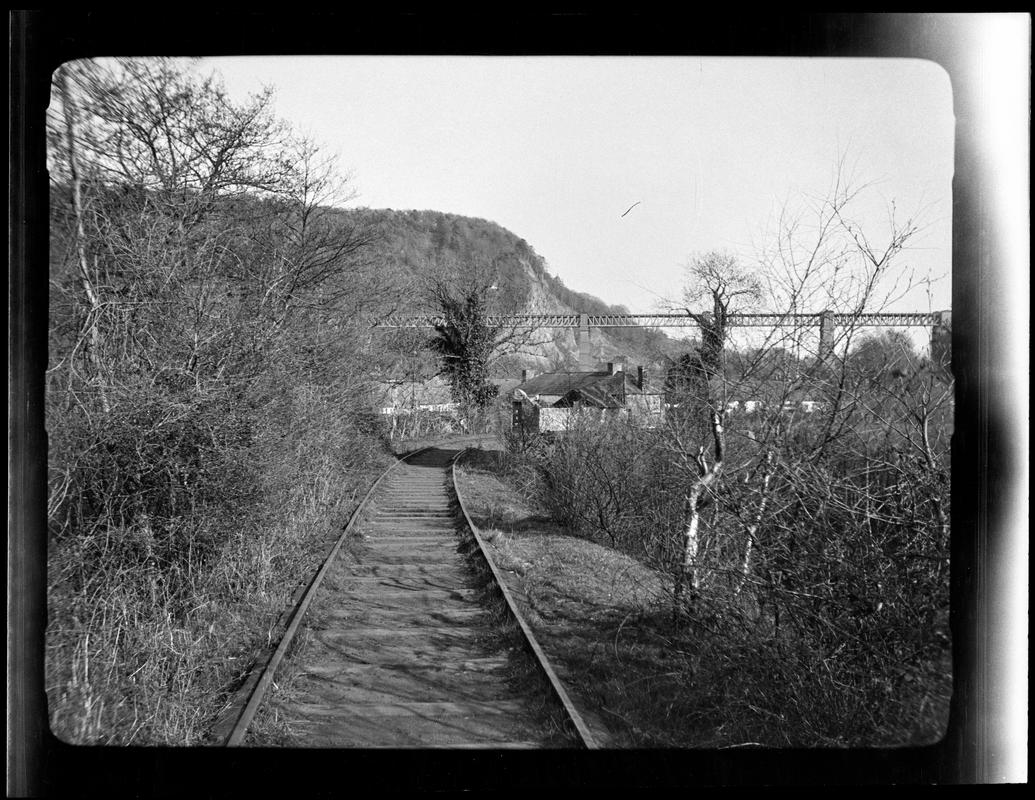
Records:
x=410, y=242
x=561, y=349
x=555, y=349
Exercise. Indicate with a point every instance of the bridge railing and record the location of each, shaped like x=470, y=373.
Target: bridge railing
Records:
x=675, y=320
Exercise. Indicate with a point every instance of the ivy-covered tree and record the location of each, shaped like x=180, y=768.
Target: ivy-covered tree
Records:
x=464, y=341
x=470, y=334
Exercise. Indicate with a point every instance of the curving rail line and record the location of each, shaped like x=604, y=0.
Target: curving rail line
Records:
x=255, y=687
x=556, y=687
x=402, y=653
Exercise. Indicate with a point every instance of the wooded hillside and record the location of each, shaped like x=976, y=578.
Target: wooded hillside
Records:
x=409, y=243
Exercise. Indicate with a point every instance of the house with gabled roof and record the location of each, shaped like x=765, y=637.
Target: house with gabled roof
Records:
x=549, y=401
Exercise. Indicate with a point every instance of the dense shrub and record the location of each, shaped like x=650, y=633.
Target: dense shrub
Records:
x=820, y=614
x=203, y=370
x=603, y=480
x=148, y=472
x=178, y=534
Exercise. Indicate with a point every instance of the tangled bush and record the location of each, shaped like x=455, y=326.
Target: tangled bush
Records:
x=822, y=604
x=142, y=485
x=608, y=481
x=178, y=532
x=201, y=375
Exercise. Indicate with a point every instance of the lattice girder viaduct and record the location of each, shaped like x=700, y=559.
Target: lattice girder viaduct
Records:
x=673, y=320
x=938, y=321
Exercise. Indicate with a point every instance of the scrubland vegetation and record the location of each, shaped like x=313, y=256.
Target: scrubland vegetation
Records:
x=806, y=553
x=212, y=367
x=817, y=611
x=208, y=317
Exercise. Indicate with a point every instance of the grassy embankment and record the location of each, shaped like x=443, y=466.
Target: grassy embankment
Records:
x=150, y=630
x=605, y=620
x=590, y=607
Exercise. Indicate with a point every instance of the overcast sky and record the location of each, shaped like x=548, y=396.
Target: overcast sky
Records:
x=556, y=149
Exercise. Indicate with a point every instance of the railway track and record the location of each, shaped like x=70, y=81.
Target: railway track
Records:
x=401, y=647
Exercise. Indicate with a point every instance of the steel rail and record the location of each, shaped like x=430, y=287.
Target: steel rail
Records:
x=585, y=735
x=258, y=691
x=243, y=710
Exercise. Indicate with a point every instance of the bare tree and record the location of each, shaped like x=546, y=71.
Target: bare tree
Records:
x=202, y=226
x=209, y=309
x=154, y=158
x=798, y=496
x=86, y=277
x=841, y=512
x=717, y=279
x=820, y=259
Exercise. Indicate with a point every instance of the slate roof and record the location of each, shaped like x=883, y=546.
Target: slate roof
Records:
x=597, y=395
x=558, y=384
x=600, y=388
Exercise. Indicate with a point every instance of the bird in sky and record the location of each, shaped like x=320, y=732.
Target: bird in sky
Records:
x=630, y=208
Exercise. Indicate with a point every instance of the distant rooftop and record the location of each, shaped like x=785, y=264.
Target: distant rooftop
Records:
x=555, y=384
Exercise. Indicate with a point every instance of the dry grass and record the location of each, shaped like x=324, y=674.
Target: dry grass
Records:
x=524, y=676
x=582, y=600
x=143, y=652
x=718, y=680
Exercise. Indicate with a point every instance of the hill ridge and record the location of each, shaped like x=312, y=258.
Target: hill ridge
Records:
x=412, y=240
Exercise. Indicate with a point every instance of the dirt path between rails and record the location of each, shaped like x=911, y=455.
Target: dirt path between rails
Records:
x=398, y=649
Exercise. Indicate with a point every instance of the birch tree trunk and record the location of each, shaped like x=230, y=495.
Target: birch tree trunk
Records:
x=756, y=521
x=707, y=476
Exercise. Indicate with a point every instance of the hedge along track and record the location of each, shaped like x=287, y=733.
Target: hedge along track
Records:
x=400, y=650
